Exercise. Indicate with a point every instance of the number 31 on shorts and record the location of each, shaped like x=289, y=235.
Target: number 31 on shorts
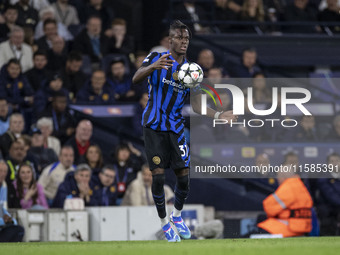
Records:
x=184, y=149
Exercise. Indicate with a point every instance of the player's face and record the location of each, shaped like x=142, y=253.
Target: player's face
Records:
x=179, y=41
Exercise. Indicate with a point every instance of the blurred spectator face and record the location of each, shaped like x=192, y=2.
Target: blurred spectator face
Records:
x=84, y=130
x=92, y=154
x=249, y=58
x=215, y=75
x=17, y=38
x=253, y=3
x=301, y=4
x=59, y=104
x=307, y=122
x=3, y=108
x=24, y=2
x=331, y=4
x=25, y=174
x=74, y=66
x=147, y=176
x=139, y=61
x=96, y=3
x=11, y=16
x=144, y=100
x=123, y=154
x=165, y=42
x=58, y=44
x=259, y=82
x=50, y=30
x=94, y=26
x=119, y=30
x=98, y=80
x=118, y=70
x=337, y=125
x=40, y=61
x=37, y=140
x=16, y=124
x=17, y=151
x=46, y=131
x=3, y=171
x=334, y=160
x=82, y=176
x=108, y=177
x=56, y=84
x=262, y=159
x=66, y=157
x=292, y=160
x=13, y=70
x=206, y=59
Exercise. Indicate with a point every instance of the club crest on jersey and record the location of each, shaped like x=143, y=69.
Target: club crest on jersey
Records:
x=175, y=76
x=156, y=160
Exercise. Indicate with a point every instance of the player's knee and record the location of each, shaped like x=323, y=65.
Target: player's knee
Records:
x=182, y=172
x=183, y=182
x=158, y=184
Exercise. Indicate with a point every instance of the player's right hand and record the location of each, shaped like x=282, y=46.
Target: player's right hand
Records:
x=163, y=62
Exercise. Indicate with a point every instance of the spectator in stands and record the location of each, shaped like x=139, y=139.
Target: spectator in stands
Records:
x=120, y=81
x=15, y=47
x=331, y=14
x=91, y=41
x=36, y=4
x=72, y=75
x=44, y=156
x=17, y=156
x=301, y=11
x=139, y=88
x=329, y=204
x=15, y=87
x=30, y=193
x=214, y=75
x=27, y=15
x=46, y=126
x=81, y=141
x=104, y=186
x=65, y=13
x=139, y=192
x=137, y=117
x=53, y=175
x=97, y=91
x=206, y=60
x=15, y=130
x=9, y=230
x=57, y=55
x=4, y=116
x=261, y=93
x=307, y=131
x=252, y=10
x=98, y=8
x=127, y=162
x=163, y=44
x=121, y=42
x=63, y=121
x=76, y=184
x=39, y=73
x=226, y=10
x=50, y=31
x=248, y=66
x=44, y=96
x=48, y=13
x=289, y=208
x=11, y=16
x=189, y=10
x=334, y=134
x=94, y=158
x=291, y=159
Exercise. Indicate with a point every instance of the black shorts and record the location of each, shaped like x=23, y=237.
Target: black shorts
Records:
x=165, y=149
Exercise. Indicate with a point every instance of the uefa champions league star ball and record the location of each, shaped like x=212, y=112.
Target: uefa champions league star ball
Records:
x=190, y=75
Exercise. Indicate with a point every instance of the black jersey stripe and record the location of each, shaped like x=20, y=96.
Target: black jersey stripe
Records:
x=156, y=88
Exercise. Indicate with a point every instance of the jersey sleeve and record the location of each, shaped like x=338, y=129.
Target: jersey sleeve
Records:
x=150, y=59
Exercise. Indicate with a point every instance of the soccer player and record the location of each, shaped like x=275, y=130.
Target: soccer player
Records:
x=163, y=126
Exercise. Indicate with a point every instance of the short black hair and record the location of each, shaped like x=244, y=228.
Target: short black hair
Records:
x=49, y=21
x=14, y=61
x=249, y=49
x=177, y=24
x=59, y=93
x=40, y=53
x=74, y=56
x=11, y=7
x=117, y=60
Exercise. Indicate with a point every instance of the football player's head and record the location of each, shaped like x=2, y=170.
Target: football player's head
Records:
x=179, y=37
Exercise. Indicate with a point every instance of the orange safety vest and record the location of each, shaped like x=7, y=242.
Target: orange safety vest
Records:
x=288, y=209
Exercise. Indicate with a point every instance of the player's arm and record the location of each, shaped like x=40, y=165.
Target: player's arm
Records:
x=197, y=107
x=145, y=71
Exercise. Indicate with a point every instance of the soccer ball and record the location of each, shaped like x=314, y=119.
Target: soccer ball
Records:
x=190, y=75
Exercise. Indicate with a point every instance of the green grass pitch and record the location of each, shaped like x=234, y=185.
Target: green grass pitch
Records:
x=310, y=245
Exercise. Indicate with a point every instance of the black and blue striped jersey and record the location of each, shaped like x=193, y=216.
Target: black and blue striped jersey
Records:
x=166, y=97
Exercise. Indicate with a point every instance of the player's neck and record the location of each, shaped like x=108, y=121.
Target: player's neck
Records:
x=179, y=58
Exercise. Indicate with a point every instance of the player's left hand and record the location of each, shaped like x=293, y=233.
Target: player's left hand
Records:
x=228, y=115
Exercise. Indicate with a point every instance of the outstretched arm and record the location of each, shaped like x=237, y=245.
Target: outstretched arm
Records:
x=145, y=71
